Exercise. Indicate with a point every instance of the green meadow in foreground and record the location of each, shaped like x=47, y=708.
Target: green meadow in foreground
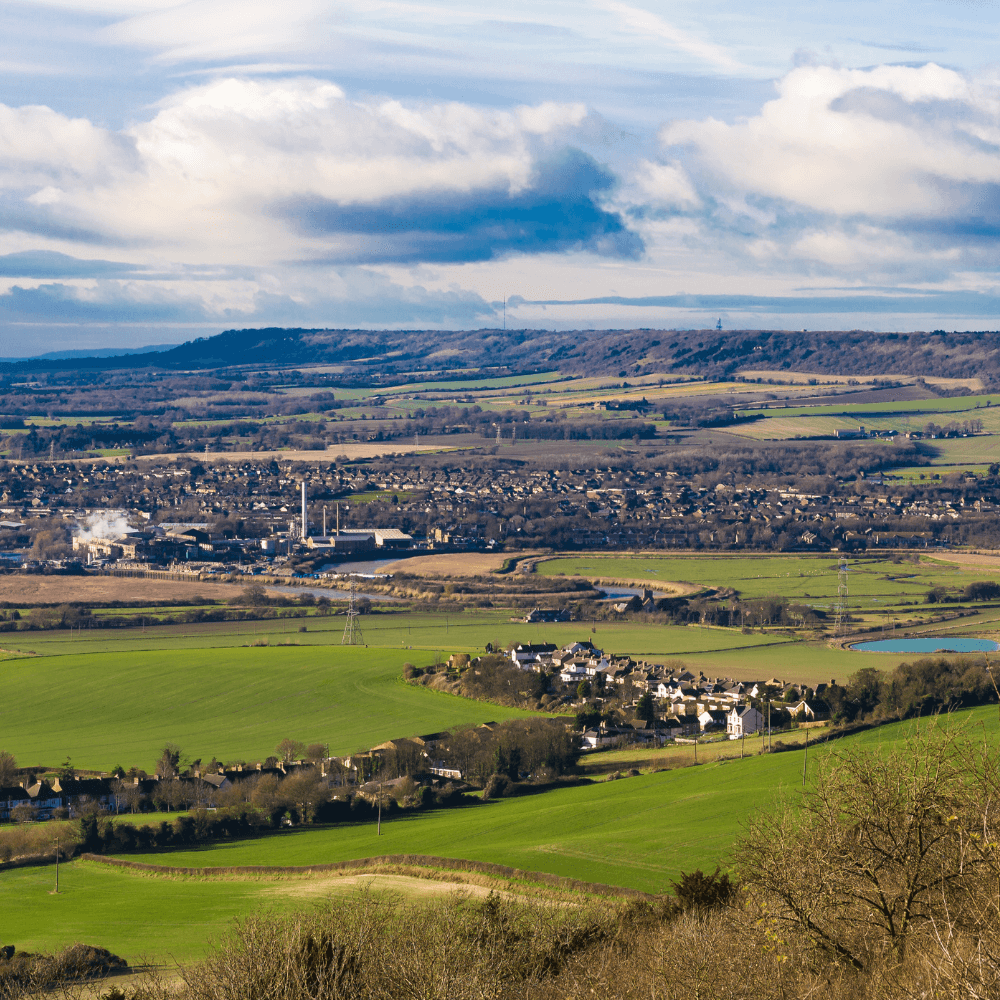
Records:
x=639, y=832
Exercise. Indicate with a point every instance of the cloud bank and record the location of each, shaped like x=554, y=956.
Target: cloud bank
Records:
x=269, y=195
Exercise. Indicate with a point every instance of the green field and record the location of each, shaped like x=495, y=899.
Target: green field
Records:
x=440, y=632
x=638, y=832
x=800, y=577
x=121, y=694
x=106, y=709
x=933, y=407
x=136, y=917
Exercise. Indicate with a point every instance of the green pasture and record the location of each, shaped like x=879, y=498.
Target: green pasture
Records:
x=798, y=577
x=419, y=638
x=383, y=496
x=437, y=633
x=919, y=473
x=141, y=918
x=965, y=451
x=932, y=407
x=122, y=708
x=639, y=832
x=470, y=385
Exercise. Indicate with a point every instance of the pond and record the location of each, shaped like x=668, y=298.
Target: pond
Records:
x=938, y=644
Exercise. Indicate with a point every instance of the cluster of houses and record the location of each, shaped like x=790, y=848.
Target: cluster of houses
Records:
x=68, y=797
x=687, y=704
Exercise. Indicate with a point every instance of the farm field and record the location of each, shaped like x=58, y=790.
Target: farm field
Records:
x=122, y=708
x=955, y=404
x=799, y=577
x=453, y=564
x=826, y=379
x=370, y=449
x=27, y=589
x=435, y=633
x=639, y=832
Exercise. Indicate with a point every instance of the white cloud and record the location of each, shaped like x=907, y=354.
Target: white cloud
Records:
x=223, y=29
x=665, y=184
x=650, y=25
x=891, y=142
x=198, y=181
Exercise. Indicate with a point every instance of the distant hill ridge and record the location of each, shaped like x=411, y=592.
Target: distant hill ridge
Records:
x=621, y=353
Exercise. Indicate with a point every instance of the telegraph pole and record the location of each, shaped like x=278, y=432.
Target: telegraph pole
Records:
x=805, y=760
x=55, y=892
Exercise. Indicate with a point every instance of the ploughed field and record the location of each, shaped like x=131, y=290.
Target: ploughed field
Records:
x=639, y=832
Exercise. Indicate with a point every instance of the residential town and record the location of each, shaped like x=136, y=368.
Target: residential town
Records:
x=249, y=512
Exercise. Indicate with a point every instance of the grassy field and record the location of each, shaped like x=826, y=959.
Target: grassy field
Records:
x=141, y=918
x=639, y=832
x=122, y=708
x=933, y=407
x=799, y=577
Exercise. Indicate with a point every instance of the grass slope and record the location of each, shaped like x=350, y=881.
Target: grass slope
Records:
x=122, y=708
x=638, y=832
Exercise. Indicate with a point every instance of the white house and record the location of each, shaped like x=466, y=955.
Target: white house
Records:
x=712, y=719
x=809, y=710
x=525, y=654
x=595, y=667
x=742, y=721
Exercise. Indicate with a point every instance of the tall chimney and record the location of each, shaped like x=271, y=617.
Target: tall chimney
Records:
x=305, y=515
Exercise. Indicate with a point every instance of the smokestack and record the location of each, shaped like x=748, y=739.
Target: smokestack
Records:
x=305, y=516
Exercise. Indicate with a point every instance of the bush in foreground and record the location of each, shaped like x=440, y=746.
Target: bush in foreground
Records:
x=23, y=974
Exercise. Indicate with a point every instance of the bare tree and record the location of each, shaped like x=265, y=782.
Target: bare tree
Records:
x=289, y=750
x=8, y=768
x=126, y=793
x=885, y=845
x=169, y=764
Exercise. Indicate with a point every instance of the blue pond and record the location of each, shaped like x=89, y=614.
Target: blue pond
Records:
x=953, y=644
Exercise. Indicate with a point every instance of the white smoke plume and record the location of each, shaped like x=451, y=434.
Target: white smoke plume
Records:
x=103, y=524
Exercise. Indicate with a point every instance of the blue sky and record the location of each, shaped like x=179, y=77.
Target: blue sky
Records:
x=169, y=170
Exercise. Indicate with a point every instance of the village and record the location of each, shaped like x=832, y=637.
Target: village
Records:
x=619, y=702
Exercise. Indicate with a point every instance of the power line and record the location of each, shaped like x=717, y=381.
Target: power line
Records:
x=843, y=596
x=352, y=630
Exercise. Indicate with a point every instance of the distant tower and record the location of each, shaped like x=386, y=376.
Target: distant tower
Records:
x=842, y=597
x=718, y=326
x=352, y=630
x=305, y=516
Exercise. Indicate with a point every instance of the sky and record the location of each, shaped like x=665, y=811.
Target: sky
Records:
x=171, y=170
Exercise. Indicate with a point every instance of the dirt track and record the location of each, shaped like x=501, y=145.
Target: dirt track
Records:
x=406, y=885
